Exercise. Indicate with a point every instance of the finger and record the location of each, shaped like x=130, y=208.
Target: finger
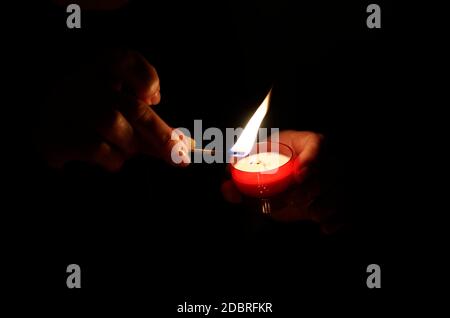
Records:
x=157, y=137
x=308, y=149
x=230, y=193
x=107, y=157
x=300, y=172
x=100, y=153
x=306, y=146
x=307, y=156
x=188, y=141
x=179, y=156
x=117, y=131
x=137, y=77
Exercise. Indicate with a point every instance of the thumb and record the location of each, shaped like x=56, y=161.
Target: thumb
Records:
x=301, y=170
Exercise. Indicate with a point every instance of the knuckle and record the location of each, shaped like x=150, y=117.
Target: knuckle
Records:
x=108, y=159
x=101, y=153
x=315, y=138
x=119, y=126
x=143, y=115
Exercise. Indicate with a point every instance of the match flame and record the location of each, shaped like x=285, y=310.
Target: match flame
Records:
x=247, y=139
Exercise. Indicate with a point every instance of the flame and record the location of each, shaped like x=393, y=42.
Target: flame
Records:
x=247, y=139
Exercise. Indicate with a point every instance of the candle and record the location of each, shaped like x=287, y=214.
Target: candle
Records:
x=265, y=171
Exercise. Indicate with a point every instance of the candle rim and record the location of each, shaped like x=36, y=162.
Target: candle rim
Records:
x=267, y=171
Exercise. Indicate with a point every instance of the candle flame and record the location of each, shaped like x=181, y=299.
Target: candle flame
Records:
x=247, y=139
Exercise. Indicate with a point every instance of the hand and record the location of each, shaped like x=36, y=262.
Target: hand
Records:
x=306, y=146
x=103, y=115
x=300, y=200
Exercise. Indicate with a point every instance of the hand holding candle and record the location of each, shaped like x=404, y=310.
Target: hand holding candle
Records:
x=301, y=198
x=267, y=168
x=306, y=148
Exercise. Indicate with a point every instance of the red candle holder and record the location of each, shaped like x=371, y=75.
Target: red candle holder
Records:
x=262, y=183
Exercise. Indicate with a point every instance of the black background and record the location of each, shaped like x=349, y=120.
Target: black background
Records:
x=157, y=234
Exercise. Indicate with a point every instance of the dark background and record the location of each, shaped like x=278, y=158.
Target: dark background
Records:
x=152, y=229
